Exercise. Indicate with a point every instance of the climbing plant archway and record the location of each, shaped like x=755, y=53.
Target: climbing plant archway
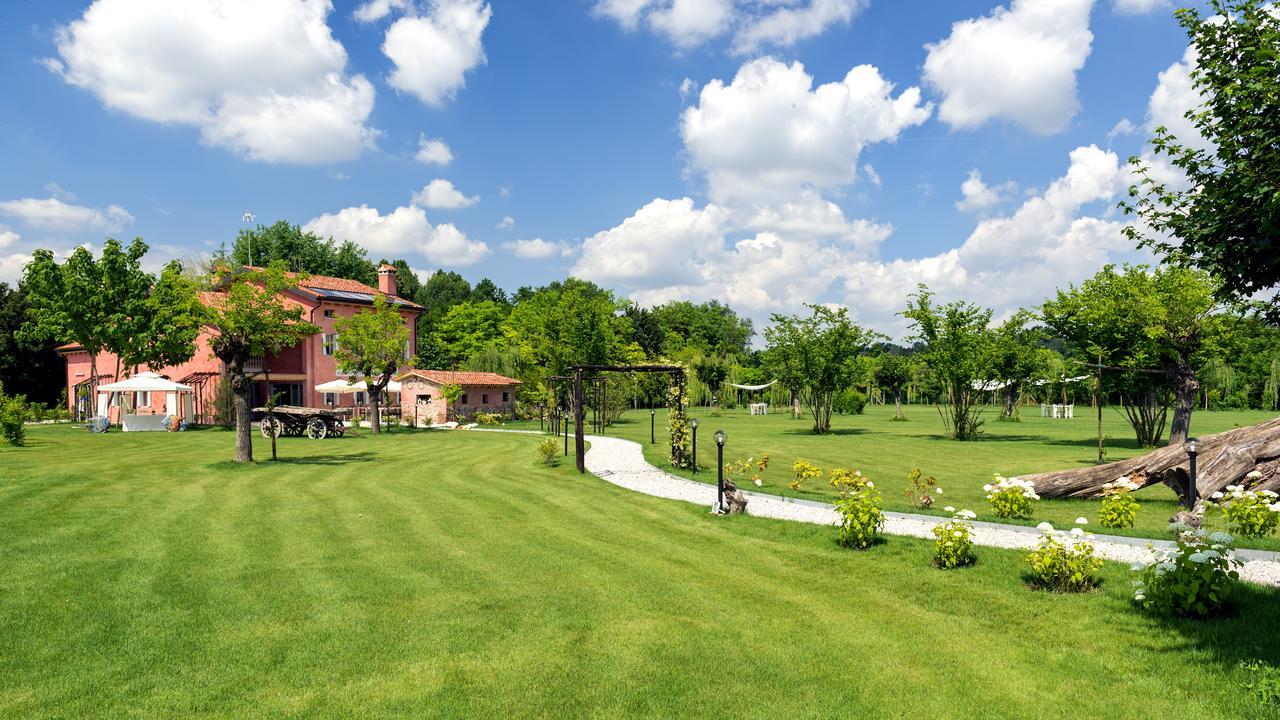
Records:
x=676, y=402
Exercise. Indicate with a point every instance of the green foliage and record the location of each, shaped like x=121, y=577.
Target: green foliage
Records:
x=1263, y=682
x=953, y=542
x=1119, y=508
x=711, y=371
x=1016, y=358
x=1010, y=497
x=858, y=505
x=1155, y=326
x=13, y=413
x=959, y=350
x=893, y=373
x=708, y=329
x=1251, y=513
x=1222, y=214
x=815, y=356
x=451, y=392
x=486, y=291
x=573, y=322
x=30, y=363
x=467, y=328
x=439, y=293
x=849, y=401
x=373, y=346
x=678, y=427
x=303, y=252
x=488, y=418
x=1194, y=578
x=1064, y=562
x=549, y=451
x=164, y=323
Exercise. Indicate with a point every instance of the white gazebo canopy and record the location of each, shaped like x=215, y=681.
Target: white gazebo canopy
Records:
x=145, y=382
x=344, y=386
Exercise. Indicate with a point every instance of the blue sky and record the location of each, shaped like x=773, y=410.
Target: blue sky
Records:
x=589, y=124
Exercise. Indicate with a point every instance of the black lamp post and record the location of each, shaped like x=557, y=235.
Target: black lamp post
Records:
x=720, y=436
x=566, y=434
x=1193, y=491
x=694, y=424
x=652, y=414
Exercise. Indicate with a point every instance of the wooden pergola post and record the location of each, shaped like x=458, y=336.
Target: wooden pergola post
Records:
x=579, y=444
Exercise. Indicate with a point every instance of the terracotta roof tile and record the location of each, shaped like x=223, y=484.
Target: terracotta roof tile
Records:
x=325, y=282
x=444, y=377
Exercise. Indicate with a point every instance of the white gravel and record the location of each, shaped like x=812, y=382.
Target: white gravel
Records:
x=622, y=463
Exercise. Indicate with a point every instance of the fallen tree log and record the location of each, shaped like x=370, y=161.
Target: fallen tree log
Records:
x=1224, y=459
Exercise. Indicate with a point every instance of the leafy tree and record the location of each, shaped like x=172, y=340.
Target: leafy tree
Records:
x=249, y=317
x=164, y=331
x=711, y=371
x=373, y=346
x=894, y=373
x=467, y=328
x=1223, y=215
x=646, y=330
x=1016, y=357
x=815, y=356
x=451, y=392
x=706, y=329
x=407, y=284
x=441, y=291
x=32, y=364
x=958, y=351
x=301, y=252
x=1144, y=324
x=487, y=291
x=567, y=323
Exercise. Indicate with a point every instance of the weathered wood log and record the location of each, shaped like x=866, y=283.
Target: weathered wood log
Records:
x=1224, y=459
x=734, y=500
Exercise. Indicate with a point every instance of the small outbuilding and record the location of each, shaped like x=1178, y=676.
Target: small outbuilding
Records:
x=145, y=401
x=423, y=403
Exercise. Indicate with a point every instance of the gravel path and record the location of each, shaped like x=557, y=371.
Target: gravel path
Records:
x=622, y=463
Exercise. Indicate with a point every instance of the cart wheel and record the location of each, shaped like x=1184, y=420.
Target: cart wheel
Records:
x=338, y=428
x=316, y=429
x=268, y=429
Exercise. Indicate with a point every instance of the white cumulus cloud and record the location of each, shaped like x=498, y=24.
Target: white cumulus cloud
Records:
x=404, y=231
x=753, y=24
x=56, y=215
x=506, y=223
x=1139, y=7
x=266, y=80
x=977, y=196
x=770, y=132
x=375, y=10
x=432, y=53
x=441, y=193
x=1018, y=63
x=8, y=237
x=433, y=152
x=537, y=249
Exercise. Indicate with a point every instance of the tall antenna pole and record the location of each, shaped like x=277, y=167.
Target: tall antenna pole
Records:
x=248, y=219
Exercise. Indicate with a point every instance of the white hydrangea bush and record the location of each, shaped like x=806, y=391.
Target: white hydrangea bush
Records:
x=1195, y=577
x=1251, y=513
x=1011, y=497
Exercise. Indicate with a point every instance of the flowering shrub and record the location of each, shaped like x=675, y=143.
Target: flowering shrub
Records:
x=763, y=463
x=953, y=546
x=1011, y=497
x=1119, y=509
x=747, y=470
x=1251, y=514
x=920, y=490
x=488, y=418
x=1192, y=578
x=804, y=470
x=548, y=449
x=1064, y=561
x=858, y=504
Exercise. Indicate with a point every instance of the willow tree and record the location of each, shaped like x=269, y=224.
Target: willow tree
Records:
x=373, y=344
x=959, y=348
x=814, y=356
x=1151, y=328
x=249, y=316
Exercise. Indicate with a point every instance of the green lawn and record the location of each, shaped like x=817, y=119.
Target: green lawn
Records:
x=449, y=574
x=886, y=450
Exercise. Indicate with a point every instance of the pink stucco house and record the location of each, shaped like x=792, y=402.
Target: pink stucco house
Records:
x=294, y=372
x=422, y=402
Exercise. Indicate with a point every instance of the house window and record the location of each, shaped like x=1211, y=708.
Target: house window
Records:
x=464, y=398
x=331, y=399
x=141, y=399
x=424, y=399
x=330, y=343
x=506, y=397
x=328, y=313
x=360, y=398
x=484, y=399
x=408, y=350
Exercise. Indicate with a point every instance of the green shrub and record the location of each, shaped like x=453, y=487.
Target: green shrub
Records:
x=549, y=450
x=1011, y=497
x=858, y=505
x=1119, y=509
x=1251, y=514
x=953, y=546
x=1064, y=561
x=1263, y=682
x=1193, y=578
x=487, y=418
x=920, y=490
x=804, y=470
x=849, y=402
x=13, y=413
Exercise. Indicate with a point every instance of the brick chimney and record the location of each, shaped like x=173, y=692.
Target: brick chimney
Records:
x=387, y=279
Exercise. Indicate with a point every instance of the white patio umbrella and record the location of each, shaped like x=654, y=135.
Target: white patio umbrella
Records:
x=341, y=386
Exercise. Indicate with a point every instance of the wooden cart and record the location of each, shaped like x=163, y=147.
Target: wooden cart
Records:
x=291, y=420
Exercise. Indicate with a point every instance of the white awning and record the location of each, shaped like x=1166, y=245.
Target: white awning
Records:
x=145, y=382
x=341, y=386
x=751, y=387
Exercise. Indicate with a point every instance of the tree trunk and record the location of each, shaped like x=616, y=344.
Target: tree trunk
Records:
x=897, y=402
x=244, y=417
x=1008, y=403
x=1185, y=389
x=1224, y=459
